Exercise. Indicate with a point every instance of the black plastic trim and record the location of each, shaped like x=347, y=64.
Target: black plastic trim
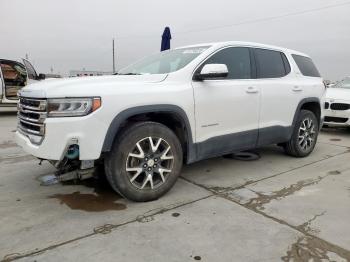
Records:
x=253, y=66
x=226, y=144
x=274, y=135
x=303, y=102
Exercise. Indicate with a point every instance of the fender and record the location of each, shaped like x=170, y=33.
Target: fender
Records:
x=118, y=120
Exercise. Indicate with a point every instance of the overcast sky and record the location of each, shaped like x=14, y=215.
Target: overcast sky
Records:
x=77, y=34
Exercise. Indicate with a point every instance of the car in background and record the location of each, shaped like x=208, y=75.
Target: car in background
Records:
x=337, y=104
x=13, y=77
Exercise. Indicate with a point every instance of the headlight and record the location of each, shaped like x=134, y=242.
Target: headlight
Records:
x=63, y=107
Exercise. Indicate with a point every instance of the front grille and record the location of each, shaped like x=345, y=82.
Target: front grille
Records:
x=336, y=119
x=31, y=117
x=326, y=105
x=340, y=106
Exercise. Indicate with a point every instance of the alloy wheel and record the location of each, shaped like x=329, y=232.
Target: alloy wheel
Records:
x=149, y=163
x=306, y=135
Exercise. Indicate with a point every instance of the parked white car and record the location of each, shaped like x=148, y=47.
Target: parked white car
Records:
x=337, y=106
x=182, y=105
x=13, y=77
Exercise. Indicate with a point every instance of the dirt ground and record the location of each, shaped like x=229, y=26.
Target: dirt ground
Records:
x=276, y=208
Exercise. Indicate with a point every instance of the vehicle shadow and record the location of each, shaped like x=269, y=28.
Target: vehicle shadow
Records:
x=336, y=130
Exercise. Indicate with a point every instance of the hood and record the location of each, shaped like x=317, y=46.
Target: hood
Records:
x=87, y=86
x=338, y=93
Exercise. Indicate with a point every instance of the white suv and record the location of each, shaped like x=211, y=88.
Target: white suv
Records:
x=182, y=105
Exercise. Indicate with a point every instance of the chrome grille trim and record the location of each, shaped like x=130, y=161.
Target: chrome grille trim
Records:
x=26, y=131
x=32, y=113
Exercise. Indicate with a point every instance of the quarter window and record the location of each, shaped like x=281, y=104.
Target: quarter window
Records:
x=271, y=64
x=237, y=60
x=306, y=66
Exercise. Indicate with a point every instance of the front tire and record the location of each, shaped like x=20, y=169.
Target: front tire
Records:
x=304, y=136
x=145, y=161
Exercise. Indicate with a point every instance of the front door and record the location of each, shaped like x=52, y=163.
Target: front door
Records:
x=227, y=110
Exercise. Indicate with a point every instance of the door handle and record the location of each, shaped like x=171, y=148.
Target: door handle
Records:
x=297, y=89
x=251, y=90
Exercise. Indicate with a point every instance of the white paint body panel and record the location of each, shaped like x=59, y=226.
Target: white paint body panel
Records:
x=224, y=107
x=209, y=102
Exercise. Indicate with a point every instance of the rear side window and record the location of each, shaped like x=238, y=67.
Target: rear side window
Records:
x=271, y=64
x=306, y=66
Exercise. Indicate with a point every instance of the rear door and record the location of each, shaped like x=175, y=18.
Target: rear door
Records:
x=280, y=95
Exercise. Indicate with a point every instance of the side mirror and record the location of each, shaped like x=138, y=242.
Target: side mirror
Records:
x=41, y=77
x=212, y=71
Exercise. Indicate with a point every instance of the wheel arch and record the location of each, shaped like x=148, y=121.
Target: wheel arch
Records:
x=171, y=116
x=312, y=104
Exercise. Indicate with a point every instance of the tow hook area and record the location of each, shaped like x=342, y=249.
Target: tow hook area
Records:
x=54, y=178
x=70, y=168
x=80, y=174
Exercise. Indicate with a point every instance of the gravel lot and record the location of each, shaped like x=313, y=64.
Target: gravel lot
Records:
x=276, y=208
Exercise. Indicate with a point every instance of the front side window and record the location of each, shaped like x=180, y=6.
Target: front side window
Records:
x=271, y=64
x=237, y=60
x=164, y=62
x=306, y=66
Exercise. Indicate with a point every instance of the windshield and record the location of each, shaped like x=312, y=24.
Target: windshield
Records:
x=343, y=84
x=164, y=62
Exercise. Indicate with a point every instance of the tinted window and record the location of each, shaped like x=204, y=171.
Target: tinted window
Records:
x=306, y=66
x=271, y=64
x=237, y=60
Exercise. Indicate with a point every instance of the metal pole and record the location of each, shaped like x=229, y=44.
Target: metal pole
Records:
x=113, y=58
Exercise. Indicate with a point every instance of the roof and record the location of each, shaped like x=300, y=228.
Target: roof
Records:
x=243, y=43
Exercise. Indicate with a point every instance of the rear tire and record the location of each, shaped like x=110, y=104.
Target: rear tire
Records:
x=145, y=161
x=304, y=136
